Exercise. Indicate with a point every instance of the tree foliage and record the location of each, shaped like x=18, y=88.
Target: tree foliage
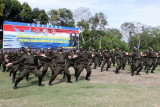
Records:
x=98, y=21
x=43, y=18
x=147, y=36
x=2, y=6
x=11, y=10
x=61, y=17
x=25, y=14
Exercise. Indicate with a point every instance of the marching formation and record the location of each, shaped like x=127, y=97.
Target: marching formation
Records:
x=148, y=60
x=26, y=62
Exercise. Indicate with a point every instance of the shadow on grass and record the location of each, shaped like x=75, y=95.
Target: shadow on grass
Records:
x=29, y=84
x=60, y=81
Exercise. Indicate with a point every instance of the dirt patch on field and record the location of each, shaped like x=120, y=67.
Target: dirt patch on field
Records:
x=124, y=77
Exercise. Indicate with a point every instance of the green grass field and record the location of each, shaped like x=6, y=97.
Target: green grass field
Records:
x=78, y=94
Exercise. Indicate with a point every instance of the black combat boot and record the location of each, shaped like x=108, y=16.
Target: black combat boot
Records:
x=50, y=84
x=13, y=79
x=87, y=79
x=152, y=71
x=116, y=72
x=76, y=79
x=39, y=81
x=10, y=74
x=69, y=79
x=147, y=72
x=69, y=82
x=41, y=85
x=107, y=69
x=101, y=70
x=15, y=87
x=132, y=74
x=138, y=72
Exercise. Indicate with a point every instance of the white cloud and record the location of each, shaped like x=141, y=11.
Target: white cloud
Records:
x=117, y=11
x=149, y=15
x=49, y=4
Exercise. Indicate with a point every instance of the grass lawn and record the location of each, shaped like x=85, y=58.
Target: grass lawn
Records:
x=79, y=94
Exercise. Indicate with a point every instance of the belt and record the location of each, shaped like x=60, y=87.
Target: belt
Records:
x=60, y=62
x=137, y=59
x=30, y=64
x=153, y=57
x=118, y=57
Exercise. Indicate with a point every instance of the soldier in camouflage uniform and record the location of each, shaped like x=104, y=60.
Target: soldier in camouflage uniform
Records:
x=83, y=56
x=124, y=60
x=29, y=66
x=119, y=57
x=94, y=59
x=136, y=62
x=72, y=60
x=113, y=57
x=107, y=59
x=60, y=60
x=158, y=58
x=99, y=57
x=48, y=62
x=152, y=60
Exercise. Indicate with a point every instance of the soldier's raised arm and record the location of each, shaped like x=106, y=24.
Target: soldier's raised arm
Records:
x=22, y=59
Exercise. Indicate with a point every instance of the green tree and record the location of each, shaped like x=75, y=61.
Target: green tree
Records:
x=26, y=13
x=84, y=28
x=43, y=17
x=98, y=22
x=54, y=16
x=149, y=37
x=61, y=17
x=35, y=13
x=114, y=39
x=11, y=10
x=2, y=6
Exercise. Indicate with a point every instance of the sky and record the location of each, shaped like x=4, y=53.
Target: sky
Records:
x=117, y=11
